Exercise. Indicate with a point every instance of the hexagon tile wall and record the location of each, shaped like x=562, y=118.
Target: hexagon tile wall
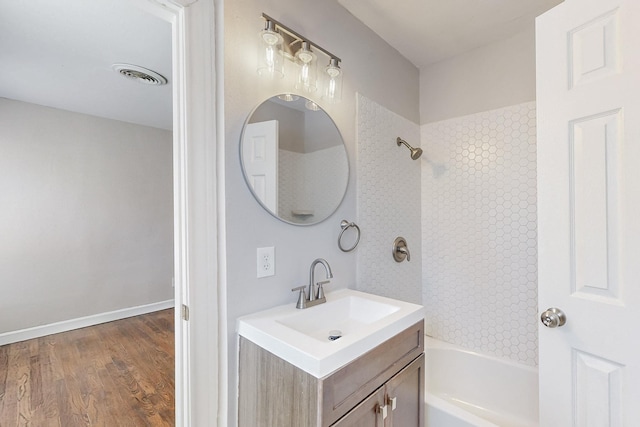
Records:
x=479, y=248
x=388, y=203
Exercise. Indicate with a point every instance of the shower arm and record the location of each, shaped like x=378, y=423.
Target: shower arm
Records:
x=400, y=141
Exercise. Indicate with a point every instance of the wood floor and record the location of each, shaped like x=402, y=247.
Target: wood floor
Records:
x=115, y=374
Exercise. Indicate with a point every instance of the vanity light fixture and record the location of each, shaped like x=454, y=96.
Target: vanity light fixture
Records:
x=280, y=44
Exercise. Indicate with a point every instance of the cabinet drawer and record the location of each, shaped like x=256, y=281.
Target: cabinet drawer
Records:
x=349, y=385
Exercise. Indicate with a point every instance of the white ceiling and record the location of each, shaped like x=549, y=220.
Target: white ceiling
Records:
x=428, y=31
x=59, y=54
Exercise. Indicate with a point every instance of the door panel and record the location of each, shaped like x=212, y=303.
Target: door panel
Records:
x=260, y=160
x=588, y=92
x=366, y=413
x=595, y=146
x=407, y=388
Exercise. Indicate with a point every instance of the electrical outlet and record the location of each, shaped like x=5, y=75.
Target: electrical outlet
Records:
x=266, y=262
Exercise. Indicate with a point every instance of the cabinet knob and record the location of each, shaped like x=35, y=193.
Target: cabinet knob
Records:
x=393, y=402
x=382, y=410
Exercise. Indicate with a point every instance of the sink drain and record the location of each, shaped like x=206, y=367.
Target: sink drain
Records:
x=334, y=335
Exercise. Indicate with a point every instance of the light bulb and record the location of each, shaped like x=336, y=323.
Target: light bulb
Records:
x=331, y=90
x=307, y=64
x=304, y=74
x=270, y=58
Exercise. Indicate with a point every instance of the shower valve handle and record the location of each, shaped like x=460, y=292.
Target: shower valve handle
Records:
x=401, y=250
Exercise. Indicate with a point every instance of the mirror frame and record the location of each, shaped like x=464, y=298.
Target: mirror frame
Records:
x=255, y=196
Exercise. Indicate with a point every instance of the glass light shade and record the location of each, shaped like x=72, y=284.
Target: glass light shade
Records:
x=289, y=97
x=333, y=82
x=310, y=105
x=270, y=54
x=307, y=69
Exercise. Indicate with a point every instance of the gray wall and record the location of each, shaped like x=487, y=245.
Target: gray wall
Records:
x=86, y=218
x=493, y=76
x=372, y=68
x=290, y=124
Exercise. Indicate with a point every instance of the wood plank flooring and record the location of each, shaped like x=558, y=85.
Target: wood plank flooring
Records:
x=116, y=374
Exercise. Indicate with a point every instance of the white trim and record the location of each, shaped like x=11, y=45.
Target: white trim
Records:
x=198, y=209
x=222, y=342
x=81, y=322
x=199, y=204
x=176, y=13
x=182, y=379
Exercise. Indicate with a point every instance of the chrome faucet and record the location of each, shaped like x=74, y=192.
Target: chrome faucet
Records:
x=313, y=292
x=316, y=292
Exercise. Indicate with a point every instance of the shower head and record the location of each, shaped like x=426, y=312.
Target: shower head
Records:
x=415, y=152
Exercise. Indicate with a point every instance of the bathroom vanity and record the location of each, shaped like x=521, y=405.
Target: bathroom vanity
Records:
x=382, y=387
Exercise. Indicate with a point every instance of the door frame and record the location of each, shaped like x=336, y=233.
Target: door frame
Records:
x=198, y=177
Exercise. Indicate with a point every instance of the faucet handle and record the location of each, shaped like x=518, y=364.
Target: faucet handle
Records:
x=302, y=297
x=401, y=250
x=320, y=294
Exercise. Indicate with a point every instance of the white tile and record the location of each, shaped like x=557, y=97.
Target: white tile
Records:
x=479, y=240
x=388, y=202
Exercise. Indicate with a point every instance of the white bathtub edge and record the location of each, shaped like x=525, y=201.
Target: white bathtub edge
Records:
x=430, y=342
x=451, y=400
x=455, y=411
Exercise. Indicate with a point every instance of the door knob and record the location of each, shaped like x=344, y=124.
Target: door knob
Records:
x=553, y=318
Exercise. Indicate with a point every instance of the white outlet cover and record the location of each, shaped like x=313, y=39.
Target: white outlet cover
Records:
x=265, y=262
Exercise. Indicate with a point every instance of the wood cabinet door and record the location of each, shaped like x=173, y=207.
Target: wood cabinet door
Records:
x=348, y=386
x=405, y=396
x=366, y=413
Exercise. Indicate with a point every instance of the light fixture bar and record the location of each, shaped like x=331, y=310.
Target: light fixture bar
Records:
x=296, y=37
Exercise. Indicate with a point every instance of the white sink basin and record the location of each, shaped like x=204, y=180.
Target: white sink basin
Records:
x=301, y=337
x=348, y=315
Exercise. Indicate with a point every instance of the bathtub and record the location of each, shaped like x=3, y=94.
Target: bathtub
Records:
x=467, y=389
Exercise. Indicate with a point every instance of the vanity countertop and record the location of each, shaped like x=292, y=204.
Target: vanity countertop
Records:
x=302, y=337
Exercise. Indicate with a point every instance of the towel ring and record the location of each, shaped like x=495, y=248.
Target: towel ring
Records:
x=344, y=224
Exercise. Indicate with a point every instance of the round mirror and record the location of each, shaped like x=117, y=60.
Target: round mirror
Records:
x=294, y=159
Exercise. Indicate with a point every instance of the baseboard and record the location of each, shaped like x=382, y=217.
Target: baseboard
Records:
x=81, y=322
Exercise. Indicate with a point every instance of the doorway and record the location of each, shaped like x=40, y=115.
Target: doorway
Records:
x=88, y=188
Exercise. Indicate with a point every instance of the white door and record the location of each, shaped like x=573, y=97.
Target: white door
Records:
x=588, y=95
x=260, y=160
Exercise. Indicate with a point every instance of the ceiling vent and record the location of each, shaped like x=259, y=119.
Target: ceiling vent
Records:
x=139, y=74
